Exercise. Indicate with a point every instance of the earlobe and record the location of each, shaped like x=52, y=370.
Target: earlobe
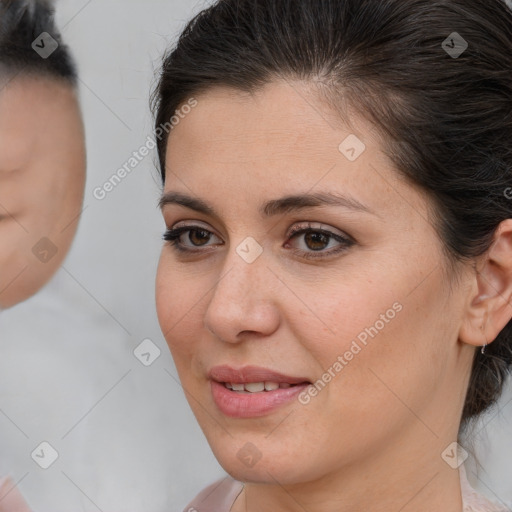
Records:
x=489, y=304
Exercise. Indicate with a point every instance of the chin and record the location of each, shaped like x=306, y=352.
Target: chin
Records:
x=17, y=293
x=29, y=281
x=257, y=461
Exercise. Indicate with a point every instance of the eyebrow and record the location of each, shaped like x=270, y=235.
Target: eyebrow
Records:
x=274, y=207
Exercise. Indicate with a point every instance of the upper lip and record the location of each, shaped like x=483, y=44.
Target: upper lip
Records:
x=246, y=374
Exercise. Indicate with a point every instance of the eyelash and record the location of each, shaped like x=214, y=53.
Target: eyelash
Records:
x=172, y=237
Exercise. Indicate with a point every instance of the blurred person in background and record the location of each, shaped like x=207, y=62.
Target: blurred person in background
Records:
x=42, y=160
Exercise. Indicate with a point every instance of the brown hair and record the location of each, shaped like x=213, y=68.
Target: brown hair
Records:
x=22, y=25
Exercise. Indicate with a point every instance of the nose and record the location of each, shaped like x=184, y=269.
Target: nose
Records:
x=243, y=302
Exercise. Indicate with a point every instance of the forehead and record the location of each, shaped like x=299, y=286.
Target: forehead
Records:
x=281, y=114
x=37, y=115
x=280, y=138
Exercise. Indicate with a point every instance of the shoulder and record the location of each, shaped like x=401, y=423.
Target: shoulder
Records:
x=217, y=497
x=474, y=501
x=10, y=498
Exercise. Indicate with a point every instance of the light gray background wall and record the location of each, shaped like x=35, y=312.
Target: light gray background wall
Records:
x=125, y=436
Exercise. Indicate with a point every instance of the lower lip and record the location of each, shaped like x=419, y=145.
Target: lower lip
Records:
x=251, y=405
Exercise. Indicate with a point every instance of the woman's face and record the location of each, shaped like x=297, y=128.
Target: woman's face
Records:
x=42, y=178
x=353, y=322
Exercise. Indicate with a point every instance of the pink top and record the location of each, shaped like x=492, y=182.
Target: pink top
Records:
x=221, y=495
x=10, y=498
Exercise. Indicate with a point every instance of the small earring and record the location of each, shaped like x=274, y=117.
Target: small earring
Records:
x=485, y=344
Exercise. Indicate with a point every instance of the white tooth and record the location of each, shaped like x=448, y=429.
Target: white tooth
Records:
x=237, y=387
x=270, y=386
x=284, y=385
x=228, y=385
x=255, y=387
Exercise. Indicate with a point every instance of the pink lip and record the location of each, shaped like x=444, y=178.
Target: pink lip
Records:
x=250, y=405
x=247, y=374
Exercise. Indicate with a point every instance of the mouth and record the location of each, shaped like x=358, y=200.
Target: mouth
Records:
x=257, y=387
x=252, y=391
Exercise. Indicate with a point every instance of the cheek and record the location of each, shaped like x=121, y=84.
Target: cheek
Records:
x=163, y=297
x=176, y=301
x=389, y=355
x=344, y=311
x=376, y=322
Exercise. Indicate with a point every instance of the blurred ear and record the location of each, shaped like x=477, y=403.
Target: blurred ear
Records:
x=489, y=306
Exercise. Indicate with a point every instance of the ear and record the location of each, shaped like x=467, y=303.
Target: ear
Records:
x=489, y=306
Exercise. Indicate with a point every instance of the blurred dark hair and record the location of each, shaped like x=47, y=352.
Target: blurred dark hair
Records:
x=21, y=23
x=445, y=120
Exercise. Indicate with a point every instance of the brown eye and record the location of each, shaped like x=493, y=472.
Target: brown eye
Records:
x=198, y=237
x=316, y=240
